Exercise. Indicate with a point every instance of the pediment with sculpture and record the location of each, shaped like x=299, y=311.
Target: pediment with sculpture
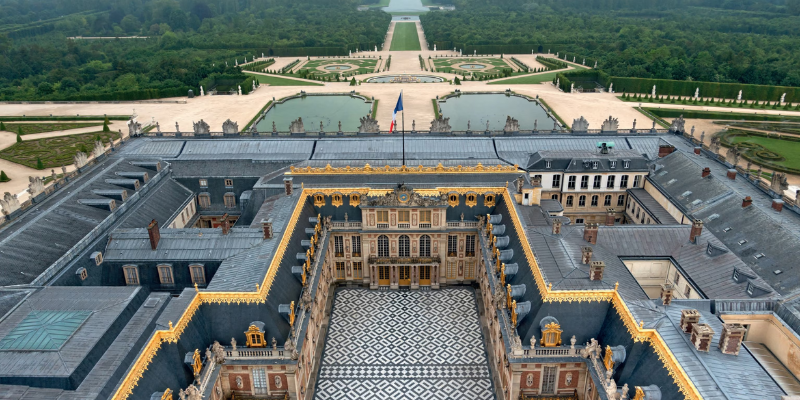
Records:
x=404, y=196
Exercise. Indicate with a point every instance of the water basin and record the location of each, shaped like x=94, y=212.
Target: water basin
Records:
x=315, y=109
x=338, y=67
x=404, y=79
x=472, y=66
x=400, y=6
x=494, y=108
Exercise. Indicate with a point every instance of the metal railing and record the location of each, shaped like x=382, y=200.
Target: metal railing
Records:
x=404, y=260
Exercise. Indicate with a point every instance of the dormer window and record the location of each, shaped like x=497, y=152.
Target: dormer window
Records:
x=750, y=289
x=612, y=163
x=595, y=164
x=626, y=164
x=759, y=256
x=547, y=164
x=229, y=183
x=741, y=242
x=203, y=183
x=728, y=229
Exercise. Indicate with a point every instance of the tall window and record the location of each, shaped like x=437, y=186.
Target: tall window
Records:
x=620, y=200
x=623, y=182
x=198, y=273
x=259, y=380
x=338, y=246
x=131, y=274
x=424, y=246
x=582, y=201
x=230, y=200
x=607, y=202
x=571, y=182
x=556, y=181
x=339, y=270
x=598, y=179
x=549, y=380
x=358, y=270
x=610, y=182
x=425, y=218
x=383, y=218
x=687, y=292
x=356, y=246
x=569, y=201
x=204, y=199
x=452, y=246
x=470, y=245
x=383, y=246
x=637, y=180
x=585, y=182
x=404, y=246
x=404, y=218
x=165, y=274
x=594, y=200
x=452, y=269
x=469, y=270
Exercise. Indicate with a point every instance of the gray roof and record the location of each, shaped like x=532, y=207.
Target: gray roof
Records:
x=417, y=148
x=517, y=150
x=680, y=178
x=652, y=207
x=583, y=161
x=195, y=244
x=286, y=149
x=716, y=375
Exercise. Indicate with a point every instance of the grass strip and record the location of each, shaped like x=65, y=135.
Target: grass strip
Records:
x=253, y=120
x=558, y=117
x=278, y=81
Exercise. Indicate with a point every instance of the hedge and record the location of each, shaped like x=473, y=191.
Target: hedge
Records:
x=566, y=79
x=143, y=94
x=65, y=118
x=707, y=89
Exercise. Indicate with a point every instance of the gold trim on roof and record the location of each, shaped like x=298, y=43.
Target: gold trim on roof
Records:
x=439, y=169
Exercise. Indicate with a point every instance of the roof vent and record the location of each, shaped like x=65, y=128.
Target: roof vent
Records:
x=686, y=193
x=741, y=242
x=697, y=202
x=671, y=181
x=712, y=217
x=759, y=256
x=777, y=272
x=728, y=229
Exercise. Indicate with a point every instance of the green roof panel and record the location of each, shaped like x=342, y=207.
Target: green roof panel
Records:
x=44, y=330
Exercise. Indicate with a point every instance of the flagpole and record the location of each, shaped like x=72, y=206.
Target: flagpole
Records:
x=404, y=129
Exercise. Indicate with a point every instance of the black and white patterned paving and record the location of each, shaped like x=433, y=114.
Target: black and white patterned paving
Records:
x=404, y=345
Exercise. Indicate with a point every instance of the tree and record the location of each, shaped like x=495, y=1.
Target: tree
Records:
x=39, y=163
x=793, y=6
x=2, y=126
x=457, y=81
x=105, y=126
x=44, y=88
x=4, y=177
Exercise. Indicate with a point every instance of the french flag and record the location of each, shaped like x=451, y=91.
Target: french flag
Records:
x=398, y=107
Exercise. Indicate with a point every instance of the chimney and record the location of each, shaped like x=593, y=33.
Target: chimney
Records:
x=730, y=342
x=590, y=232
x=777, y=205
x=665, y=150
x=747, y=202
x=596, y=270
x=226, y=224
x=266, y=225
x=706, y=172
x=697, y=150
x=701, y=336
x=154, y=233
x=666, y=293
x=732, y=174
x=689, y=317
x=586, y=255
x=557, y=226
x=287, y=185
x=697, y=230
x=610, y=217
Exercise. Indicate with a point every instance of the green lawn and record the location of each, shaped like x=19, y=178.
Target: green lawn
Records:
x=365, y=66
x=529, y=79
x=381, y=3
x=278, y=81
x=31, y=128
x=55, y=151
x=788, y=149
x=405, y=37
x=709, y=102
x=765, y=126
x=495, y=66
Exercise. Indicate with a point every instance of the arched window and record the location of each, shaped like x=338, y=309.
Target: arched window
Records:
x=569, y=201
x=383, y=246
x=582, y=201
x=425, y=246
x=607, y=201
x=404, y=246
x=594, y=201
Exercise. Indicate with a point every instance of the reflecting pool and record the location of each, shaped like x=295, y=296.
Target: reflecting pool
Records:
x=472, y=66
x=405, y=6
x=315, y=109
x=494, y=108
x=404, y=79
x=338, y=67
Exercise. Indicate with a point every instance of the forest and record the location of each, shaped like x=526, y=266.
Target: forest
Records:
x=730, y=41
x=183, y=42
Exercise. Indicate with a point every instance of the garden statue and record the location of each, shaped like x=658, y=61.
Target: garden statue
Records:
x=611, y=86
x=634, y=125
x=739, y=97
x=254, y=84
x=573, y=59
x=584, y=62
x=240, y=90
x=548, y=52
x=535, y=125
x=654, y=91
x=340, y=126
x=201, y=91
x=783, y=98
x=558, y=82
x=236, y=62
x=376, y=48
x=434, y=47
x=697, y=93
x=595, y=64
x=572, y=87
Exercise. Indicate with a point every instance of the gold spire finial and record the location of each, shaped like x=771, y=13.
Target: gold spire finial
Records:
x=195, y=287
x=641, y=324
x=550, y=286
x=170, y=325
x=257, y=288
x=616, y=286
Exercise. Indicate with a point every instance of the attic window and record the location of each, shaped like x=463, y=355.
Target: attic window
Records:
x=613, y=164
x=626, y=163
x=697, y=202
x=759, y=256
x=595, y=164
x=741, y=242
x=712, y=217
x=547, y=164
x=750, y=289
x=728, y=229
x=662, y=173
x=671, y=181
x=736, y=275
x=686, y=193
x=777, y=272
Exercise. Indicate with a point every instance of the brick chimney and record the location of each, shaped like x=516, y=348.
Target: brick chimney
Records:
x=226, y=224
x=287, y=185
x=666, y=293
x=747, y=202
x=154, y=233
x=596, y=270
x=706, y=172
x=665, y=150
x=701, y=336
x=697, y=150
x=730, y=342
x=266, y=225
x=557, y=226
x=697, y=230
x=689, y=317
x=777, y=205
x=610, y=217
x=732, y=174
x=586, y=255
x=590, y=231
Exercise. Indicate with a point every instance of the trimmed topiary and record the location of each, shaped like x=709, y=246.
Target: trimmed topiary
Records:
x=4, y=177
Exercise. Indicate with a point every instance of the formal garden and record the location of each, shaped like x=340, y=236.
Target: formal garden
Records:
x=55, y=151
x=28, y=128
x=781, y=127
x=405, y=37
x=480, y=68
x=770, y=150
x=333, y=69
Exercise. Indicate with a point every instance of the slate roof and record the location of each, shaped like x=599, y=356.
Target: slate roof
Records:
x=517, y=150
x=583, y=160
x=681, y=180
x=417, y=148
x=191, y=244
x=716, y=375
x=652, y=207
x=285, y=149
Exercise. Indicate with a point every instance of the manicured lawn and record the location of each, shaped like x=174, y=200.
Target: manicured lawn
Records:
x=278, y=81
x=528, y=79
x=405, y=37
x=710, y=102
x=28, y=129
x=494, y=66
x=766, y=126
x=699, y=114
x=55, y=151
x=788, y=149
x=363, y=66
